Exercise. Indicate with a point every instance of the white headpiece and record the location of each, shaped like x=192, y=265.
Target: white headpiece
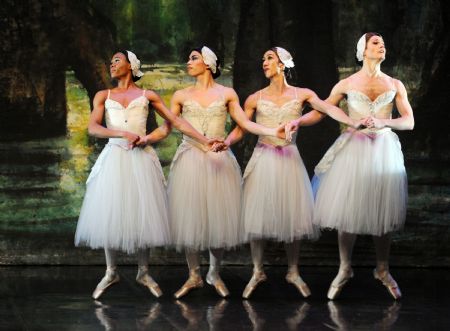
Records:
x=209, y=58
x=360, y=48
x=285, y=57
x=135, y=64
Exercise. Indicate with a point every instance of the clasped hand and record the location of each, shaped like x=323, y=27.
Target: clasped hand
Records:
x=369, y=122
x=214, y=144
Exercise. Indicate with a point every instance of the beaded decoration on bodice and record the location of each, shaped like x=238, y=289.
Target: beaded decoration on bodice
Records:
x=361, y=106
x=271, y=115
x=209, y=121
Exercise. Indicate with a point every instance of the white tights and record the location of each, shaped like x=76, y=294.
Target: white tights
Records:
x=215, y=260
x=346, y=243
x=111, y=259
x=292, y=252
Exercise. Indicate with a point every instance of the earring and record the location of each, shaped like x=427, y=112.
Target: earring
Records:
x=278, y=70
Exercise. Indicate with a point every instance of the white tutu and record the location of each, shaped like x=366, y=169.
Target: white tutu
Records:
x=204, y=198
x=364, y=191
x=125, y=206
x=278, y=201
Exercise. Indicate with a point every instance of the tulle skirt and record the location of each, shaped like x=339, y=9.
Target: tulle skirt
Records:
x=125, y=206
x=204, y=199
x=278, y=200
x=364, y=190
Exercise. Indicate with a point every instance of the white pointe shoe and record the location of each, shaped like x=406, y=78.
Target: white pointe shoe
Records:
x=338, y=283
x=111, y=277
x=257, y=277
x=144, y=279
x=214, y=279
x=295, y=279
x=389, y=282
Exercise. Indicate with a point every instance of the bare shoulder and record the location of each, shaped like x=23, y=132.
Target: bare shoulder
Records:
x=101, y=95
x=100, y=98
x=252, y=99
x=398, y=84
x=151, y=95
x=344, y=85
x=228, y=92
x=304, y=92
x=181, y=95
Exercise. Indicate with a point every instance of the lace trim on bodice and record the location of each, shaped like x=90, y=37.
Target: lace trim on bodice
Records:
x=270, y=108
x=271, y=115
x=210, y=120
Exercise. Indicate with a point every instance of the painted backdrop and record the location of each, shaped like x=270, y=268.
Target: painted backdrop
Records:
x=55, y=56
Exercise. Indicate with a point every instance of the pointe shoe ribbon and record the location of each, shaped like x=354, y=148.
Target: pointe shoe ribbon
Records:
x=257, y=277
x=219, y=285
x=146, y=280
x=193, y=282
x=111, y=277
x=338, y=283
x=295, y=279
x=389, y=282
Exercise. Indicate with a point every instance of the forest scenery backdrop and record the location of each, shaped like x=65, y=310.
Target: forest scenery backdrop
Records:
x=55, y=57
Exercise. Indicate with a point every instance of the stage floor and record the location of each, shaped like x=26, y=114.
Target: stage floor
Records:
x=59, y=298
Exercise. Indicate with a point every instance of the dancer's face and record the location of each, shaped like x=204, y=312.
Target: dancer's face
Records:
x=195, y=64
x=119, y=66
x=375, y=48
x=271, y=65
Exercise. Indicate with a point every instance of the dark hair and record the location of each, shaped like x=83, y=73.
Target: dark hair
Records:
x=218, y=62
x=135, y=79
x=370, y=35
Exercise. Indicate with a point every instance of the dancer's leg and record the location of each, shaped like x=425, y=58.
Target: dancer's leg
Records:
x=111, y=276
x=293, y=276
x=195, y=279
x=382, y=249
x=346, y=243
x=143, y=276
x=213, y=277
x=257, y=251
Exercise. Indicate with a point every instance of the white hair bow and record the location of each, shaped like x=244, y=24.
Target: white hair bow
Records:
x=360, y=48
x=209, y=58
x=285, y=57
x=135, y=64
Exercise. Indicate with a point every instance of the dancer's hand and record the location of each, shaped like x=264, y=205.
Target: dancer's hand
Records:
x=131, y=138
x=279, y=131
x=142, y=141
x=356, y=124
x=374, y=123
x=219, y=147
x=290, y=128
x=213, y=144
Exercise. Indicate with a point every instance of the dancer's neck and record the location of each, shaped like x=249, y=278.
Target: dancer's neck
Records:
x=278, y=85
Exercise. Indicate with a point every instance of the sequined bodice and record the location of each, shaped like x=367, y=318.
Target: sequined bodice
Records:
x=270, y=115
x=209, y=121
x=132, y=118
x=360, y=105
